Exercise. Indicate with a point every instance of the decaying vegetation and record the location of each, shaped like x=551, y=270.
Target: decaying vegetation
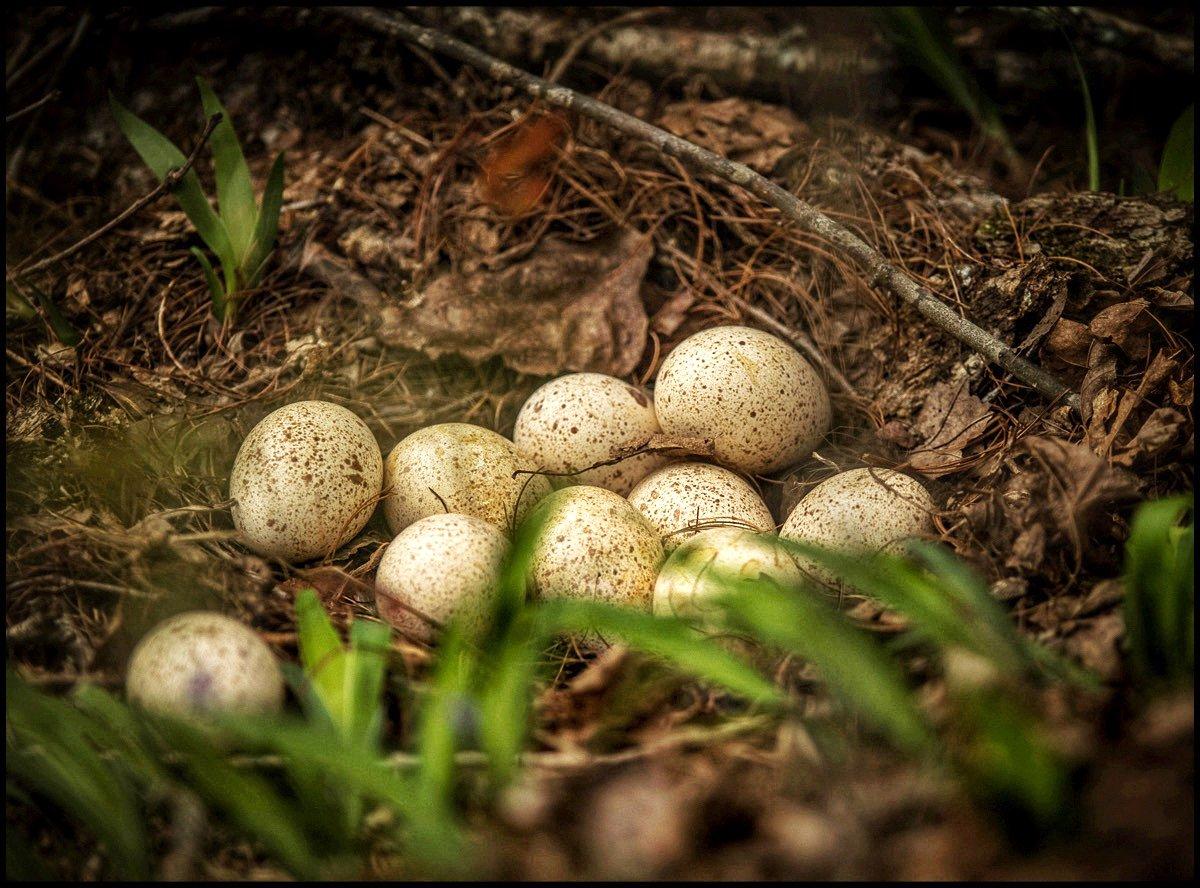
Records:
x=1016, y=702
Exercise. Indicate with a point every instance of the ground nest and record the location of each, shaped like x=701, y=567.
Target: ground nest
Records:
x=400, y=290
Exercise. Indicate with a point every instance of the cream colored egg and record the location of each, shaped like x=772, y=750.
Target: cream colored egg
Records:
x=460, y=468
x=204, y=661
x=582, y=419
x=760, y=402
x=701, y=569
x=681, y=498
x=862, y=510
x=593, y=545
x=305, y=481
x=442, y=566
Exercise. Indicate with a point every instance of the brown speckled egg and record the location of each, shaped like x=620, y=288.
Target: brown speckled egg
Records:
x=594, y=545
x=460, y=468
x=684, y=495
x=762, y=404
x=204, y=661
x=693, y=575
x=862, y=510
x=305, y=480
x=582, y=419
x=443, y=565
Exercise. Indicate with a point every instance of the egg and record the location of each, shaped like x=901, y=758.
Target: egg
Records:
x=305, y=481
x=862, y=510
x=204, y=661
x=443, y=566
x=679, y=498
x=593, y=545
x=581, y=419
x=761, y=403
x=698, y=571
x=460, y=468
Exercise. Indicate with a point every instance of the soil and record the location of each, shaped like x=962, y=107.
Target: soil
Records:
x=405, y=290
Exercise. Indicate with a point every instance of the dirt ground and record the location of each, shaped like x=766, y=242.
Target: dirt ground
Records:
x=406, y=290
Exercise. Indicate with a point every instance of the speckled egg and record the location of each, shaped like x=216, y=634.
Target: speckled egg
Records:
x=686, y=495
x=460, y=468
x=204, y=661
x=760, y=402
x=862, y=510
x=699, y=569
x=594, y=545
x=443, y=566
x=581, y=419
x=305, y=480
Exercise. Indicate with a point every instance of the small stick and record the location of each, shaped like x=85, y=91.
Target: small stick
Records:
x=878, y=270
x=169, y=182
x=44, y=100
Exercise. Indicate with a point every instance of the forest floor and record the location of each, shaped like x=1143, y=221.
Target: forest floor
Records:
x=403, y=290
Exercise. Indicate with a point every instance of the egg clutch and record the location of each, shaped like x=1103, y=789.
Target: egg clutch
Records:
x=645, y=531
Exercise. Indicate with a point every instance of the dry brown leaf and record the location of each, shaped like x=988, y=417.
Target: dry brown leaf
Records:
x=745, y=131
x=949, y=422
x=1125, y=325
x=1069, y=341
x=1160, y=430
x=566, y=307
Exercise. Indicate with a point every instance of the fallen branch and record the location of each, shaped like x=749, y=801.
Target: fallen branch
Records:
x=1101, y=28
x=170, y=180
x=878, y=269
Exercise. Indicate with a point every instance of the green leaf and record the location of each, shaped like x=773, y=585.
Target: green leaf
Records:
x=322, y=655
x=162, y=156
x=267, y=227
x=220, y=300
x=1176, y=172
x=63, y=330
x=16, y=306
x=1160, y=591
x=235, y=193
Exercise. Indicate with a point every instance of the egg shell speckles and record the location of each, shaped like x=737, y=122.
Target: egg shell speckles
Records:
x=442, y=565
x=760, y=402
x=470, y=468
x=683, y=495
x=693, y=575
x=204, y=661
x=581, y=419
x=595, y=546
x=862, y=510
x=305, y=480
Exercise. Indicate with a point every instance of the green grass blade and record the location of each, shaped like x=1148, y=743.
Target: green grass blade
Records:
x=267, y=227
x=64, y=331
x=220, y=300
x=1090, y=133
x=48, y=751
x=16, y=305
x=235, y=193
x=672, y=639
x=161, y=155
x=856, y=669
x=917, y=32
x=366, y=667
x=1177, y=171
x=322, y=656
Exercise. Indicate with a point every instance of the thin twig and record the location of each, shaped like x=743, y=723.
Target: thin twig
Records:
x=169, y=182
x=44, y=100
x=878, y=270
